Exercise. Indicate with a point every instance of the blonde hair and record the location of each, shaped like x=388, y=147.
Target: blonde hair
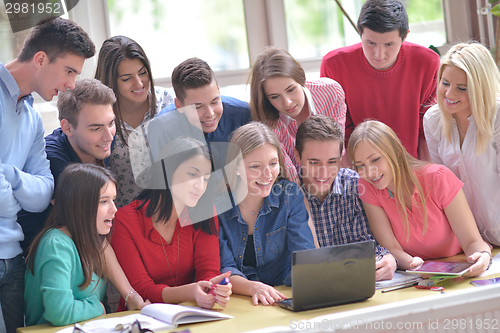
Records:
x=402, y=164
x=246, y=139
x=483, y=88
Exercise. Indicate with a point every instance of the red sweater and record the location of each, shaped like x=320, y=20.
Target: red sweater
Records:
x=397, y=97
x=139, y=251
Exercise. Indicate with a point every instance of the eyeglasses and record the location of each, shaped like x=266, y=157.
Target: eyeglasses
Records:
x=134, y=327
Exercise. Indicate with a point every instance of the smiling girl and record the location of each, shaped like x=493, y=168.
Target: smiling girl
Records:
x=258, y=236
x=124, y=67
x=67, y=263
x=417, y=211
x=166, y=245
x=281, y=97
x=463, y=130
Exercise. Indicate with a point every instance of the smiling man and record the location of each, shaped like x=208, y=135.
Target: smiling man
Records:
x=195, y=85
x=384, y=77
x=52, y=56
x=85, y=136
x=332, y=192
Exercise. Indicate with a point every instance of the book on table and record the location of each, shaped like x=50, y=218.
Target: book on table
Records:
x=400, y=278
x=157, y=317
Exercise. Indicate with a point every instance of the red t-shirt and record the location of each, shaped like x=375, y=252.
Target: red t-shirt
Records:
x=193, y=255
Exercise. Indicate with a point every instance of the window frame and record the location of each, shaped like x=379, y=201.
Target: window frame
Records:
x=265, y=24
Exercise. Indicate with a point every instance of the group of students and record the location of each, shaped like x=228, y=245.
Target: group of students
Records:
x=186, y=211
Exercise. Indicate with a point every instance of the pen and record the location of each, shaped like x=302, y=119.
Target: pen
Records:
x=432, y=288
x=407, y=285
x=382, y=254
x=223, y=282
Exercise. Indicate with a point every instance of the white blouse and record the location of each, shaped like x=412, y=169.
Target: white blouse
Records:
x=120, y=160
x=479, y=173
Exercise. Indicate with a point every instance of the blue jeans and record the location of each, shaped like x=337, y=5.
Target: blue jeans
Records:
x=12, y=293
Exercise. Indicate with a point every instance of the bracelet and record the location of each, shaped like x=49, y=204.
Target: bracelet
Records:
x=491, y=259
x=129, y=293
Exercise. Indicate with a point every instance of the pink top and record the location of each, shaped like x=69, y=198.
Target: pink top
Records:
x=440, y=187
x=326, y=97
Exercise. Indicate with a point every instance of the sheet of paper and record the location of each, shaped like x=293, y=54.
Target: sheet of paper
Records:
x=399, y=278
x=108, y=325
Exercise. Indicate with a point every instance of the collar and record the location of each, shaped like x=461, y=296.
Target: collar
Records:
x=312, y=108
x=336, y=190
x=388, y=72
x=13, y=88
x=149, y=230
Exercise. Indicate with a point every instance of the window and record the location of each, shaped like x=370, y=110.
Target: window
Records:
x=314, y=27
x=426, y=22
x=171, y=31
x=10, y=43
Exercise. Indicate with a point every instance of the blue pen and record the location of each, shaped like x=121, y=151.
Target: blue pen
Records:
x=223, y=282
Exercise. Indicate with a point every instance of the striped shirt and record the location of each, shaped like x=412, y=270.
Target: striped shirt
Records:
x=340, y=218
x=324, y=96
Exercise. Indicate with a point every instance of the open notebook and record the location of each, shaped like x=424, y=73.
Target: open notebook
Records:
x=156, y=317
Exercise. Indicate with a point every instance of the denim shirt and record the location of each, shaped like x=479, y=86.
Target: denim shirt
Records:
x=280, y=229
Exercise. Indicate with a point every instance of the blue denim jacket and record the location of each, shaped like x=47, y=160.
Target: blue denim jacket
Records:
x=280, y=229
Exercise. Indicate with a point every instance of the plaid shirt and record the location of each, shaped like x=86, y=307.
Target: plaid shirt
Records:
x=340, y=218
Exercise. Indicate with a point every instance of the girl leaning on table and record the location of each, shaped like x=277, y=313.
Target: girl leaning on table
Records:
x=269, y=222
x=463, y=130
x=167, y=239
x=416, y=210
x=124, y=67
x=67, y=266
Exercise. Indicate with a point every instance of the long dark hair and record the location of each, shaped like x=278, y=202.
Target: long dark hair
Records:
x=113, y=51
x=160, y=201
x=76, y=201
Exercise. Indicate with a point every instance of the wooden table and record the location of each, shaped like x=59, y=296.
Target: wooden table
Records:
x=248, y=317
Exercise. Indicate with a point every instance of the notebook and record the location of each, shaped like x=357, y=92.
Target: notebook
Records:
x=332, y=275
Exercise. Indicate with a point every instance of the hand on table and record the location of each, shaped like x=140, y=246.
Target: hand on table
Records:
x=135, y=302
x=385, y=267
x=481, y=262
x=266, y=294
x=222, y=292
x=416, y=262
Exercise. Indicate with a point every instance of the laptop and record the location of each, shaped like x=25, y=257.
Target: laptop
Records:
x=332, y=275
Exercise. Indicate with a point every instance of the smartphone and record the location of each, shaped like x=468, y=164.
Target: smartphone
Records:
x=486, y=282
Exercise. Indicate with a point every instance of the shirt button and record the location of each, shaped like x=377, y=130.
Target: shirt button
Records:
x=255, y=229
x=258, y=248
x=244, y=238
x=239, y=257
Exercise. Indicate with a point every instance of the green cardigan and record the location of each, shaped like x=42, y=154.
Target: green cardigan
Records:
x=52, y=294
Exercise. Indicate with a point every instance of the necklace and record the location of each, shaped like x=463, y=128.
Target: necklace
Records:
x=251, y=212
x=168, y=263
